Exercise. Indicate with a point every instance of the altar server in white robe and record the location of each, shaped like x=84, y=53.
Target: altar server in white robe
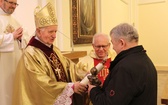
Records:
x=11, y=46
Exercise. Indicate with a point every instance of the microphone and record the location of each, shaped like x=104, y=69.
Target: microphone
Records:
x=71, y=40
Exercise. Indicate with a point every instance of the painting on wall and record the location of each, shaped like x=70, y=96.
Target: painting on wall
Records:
x=83, y=21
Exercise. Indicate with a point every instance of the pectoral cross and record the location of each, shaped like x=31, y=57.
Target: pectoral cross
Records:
x=58, y=71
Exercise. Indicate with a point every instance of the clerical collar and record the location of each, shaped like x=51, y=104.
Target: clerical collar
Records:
x=42, y=42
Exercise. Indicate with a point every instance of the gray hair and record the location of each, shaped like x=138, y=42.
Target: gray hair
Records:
x=102, y=35
x=125, y=30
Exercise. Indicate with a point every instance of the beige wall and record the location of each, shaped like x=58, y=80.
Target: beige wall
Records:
x=113, y=12
x=24, y=13
x=153, y=29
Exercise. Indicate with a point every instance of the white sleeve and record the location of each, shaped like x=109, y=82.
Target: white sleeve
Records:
x=6, y=42
x=65, y=98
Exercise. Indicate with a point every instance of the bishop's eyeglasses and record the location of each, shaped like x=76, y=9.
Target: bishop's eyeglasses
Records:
x=12, y=3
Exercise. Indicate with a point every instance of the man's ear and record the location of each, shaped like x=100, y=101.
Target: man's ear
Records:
x=122, y=41
x=38, y=30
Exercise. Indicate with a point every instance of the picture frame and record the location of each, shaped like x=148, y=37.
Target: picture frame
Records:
x=83, y=21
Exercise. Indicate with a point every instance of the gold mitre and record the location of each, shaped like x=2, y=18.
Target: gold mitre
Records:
x=45, y=16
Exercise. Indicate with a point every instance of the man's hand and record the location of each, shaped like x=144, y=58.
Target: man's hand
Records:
x=90, y=87
x=80, y=88
x=17, y=34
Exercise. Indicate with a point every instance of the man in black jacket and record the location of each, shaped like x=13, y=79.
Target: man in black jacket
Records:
x=132, y=78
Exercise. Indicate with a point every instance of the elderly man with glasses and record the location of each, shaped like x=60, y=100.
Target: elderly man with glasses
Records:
x=11, y=44
x=101, y=45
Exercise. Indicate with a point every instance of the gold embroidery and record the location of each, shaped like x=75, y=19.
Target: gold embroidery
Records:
x=104, y=72
x=45, y=16
x=57, y=67
x=9, y=29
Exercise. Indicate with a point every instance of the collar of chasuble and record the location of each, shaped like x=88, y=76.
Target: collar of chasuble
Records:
x=52, y=58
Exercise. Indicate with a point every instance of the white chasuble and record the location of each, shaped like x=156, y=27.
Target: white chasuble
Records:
x=10, y=53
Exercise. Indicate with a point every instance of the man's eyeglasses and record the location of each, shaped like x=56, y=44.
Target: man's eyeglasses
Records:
x=103, y=46
x=12, y=3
